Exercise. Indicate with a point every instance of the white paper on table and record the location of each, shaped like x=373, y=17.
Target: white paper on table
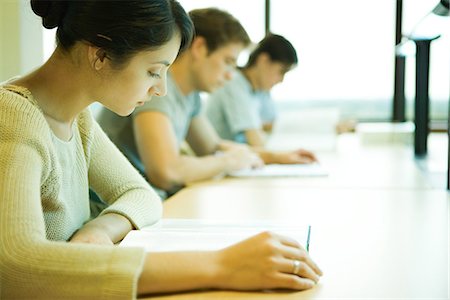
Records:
x=194, y=234
x=281, y=170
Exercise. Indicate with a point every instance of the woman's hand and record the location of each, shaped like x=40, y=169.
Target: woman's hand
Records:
x=91, y=235
x=263, y=261
x=267, y=261
x=106, y=229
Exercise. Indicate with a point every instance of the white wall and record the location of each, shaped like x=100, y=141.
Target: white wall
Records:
x=31, y=41
x=21, y=39
x=9, y=36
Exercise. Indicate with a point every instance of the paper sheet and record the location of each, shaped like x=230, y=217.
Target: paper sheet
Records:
x=276, y=170
x=192, y=234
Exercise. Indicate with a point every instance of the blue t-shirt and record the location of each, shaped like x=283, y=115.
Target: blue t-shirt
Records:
x=179, y=109
x=236, y=107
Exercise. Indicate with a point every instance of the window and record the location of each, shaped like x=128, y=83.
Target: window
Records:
x=343, y=55
x=413, y=13
x=249, y=12
x=49, y=43
x=346, y=54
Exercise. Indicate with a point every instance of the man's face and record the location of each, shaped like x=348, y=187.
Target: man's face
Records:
x=271, y=72
x=216, y=67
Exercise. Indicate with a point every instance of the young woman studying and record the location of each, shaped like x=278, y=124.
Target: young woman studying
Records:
x=52, y=150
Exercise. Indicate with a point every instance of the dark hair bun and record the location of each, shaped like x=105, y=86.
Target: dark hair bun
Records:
x=52, y=12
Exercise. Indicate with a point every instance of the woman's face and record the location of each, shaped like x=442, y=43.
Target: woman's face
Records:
x=143, y=76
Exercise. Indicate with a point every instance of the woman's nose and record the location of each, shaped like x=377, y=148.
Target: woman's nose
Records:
x=159, y=89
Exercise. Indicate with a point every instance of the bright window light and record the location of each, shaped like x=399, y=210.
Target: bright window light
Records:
x=346, y=49
x=49, y=42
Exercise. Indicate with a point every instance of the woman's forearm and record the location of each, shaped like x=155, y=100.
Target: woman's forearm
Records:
x=263, y=261
x=178, y=271
x=108, y=226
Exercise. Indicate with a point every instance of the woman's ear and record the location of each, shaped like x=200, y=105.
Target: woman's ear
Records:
x=97, y=57
x=199, y=47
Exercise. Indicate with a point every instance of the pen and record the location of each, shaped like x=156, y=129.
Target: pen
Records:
x=308, y=237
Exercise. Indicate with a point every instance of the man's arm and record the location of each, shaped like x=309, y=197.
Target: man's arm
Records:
x=202, y=137
x=204, y=140
x=255, y=137
x=299, y=156
x=166, y=167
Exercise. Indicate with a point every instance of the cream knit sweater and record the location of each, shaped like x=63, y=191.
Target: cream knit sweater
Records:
x=44, y=199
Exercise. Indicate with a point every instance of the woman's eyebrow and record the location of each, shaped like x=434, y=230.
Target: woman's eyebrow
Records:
x=163, y=62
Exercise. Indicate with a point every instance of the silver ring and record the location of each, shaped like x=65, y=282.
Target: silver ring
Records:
x=296, y=265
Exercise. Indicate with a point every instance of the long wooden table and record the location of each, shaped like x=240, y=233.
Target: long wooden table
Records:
x=382, y=237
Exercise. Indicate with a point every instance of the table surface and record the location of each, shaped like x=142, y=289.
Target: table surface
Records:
x=378, y=229
x=354, y=165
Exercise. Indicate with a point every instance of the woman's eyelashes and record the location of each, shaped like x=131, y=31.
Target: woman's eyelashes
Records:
x=154, y=75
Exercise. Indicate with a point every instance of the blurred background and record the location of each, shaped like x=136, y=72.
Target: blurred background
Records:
x=346, y=51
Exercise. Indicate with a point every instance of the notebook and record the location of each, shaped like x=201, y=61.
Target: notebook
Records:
x=196, y=234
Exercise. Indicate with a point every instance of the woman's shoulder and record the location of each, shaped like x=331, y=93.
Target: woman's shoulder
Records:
x=21, y=119
x=17, y=106
x=22, y=122
x=86, y=122
x=86, y=118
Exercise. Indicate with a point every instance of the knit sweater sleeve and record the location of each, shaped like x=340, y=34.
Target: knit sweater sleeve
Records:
x=117, y=182
x=32, y=267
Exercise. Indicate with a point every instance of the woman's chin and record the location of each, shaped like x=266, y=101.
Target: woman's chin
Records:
x=125, y=113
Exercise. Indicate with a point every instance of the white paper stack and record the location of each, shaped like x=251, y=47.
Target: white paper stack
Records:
x=276, y=170
x=194, y=234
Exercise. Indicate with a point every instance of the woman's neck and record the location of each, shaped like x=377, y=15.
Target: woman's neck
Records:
x=58, y=88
